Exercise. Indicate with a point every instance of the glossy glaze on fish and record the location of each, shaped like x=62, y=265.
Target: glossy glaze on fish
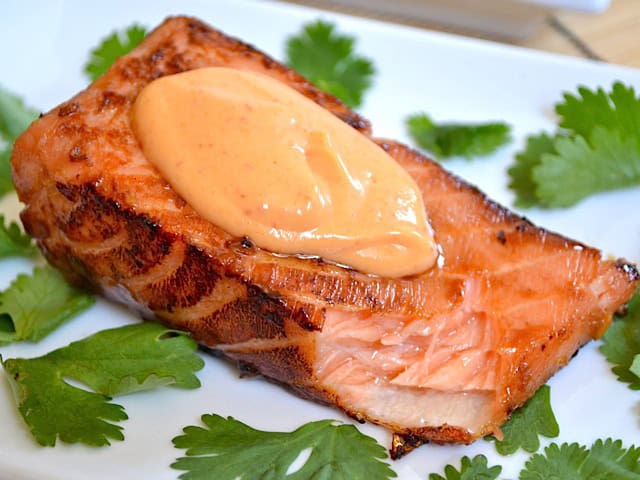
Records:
x=444, y=356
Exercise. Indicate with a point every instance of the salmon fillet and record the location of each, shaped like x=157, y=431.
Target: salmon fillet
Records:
x=444, y=356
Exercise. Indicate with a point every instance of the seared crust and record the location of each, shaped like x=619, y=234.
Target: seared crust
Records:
x=80, y=171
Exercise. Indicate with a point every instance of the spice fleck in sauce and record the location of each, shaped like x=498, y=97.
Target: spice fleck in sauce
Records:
x=258, y=159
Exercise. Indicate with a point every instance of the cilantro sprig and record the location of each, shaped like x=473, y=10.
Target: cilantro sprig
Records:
x=328, y=60
x=621, y=345
x=35, y=305
x=13, y=242
x=111, y=362
x=447, y=140
x=117, y=44
x=15, y=117
x=605, y=459
x=534, y=419
x=596, y=149
x=470, y=469
x=228, y=449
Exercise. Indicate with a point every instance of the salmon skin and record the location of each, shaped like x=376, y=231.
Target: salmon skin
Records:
x=444, y=356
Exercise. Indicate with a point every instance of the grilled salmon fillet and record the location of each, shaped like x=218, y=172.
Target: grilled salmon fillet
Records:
x=444, y=356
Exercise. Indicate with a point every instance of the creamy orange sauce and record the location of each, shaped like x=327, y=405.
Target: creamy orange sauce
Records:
x=258, y=159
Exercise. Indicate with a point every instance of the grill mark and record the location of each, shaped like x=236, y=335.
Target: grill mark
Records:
x=94, y=219
x=194, y=279
x=253, y=316
x=226, y=291
x=167, y=266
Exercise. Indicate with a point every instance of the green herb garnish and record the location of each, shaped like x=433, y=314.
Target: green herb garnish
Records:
x=451, y=139
x=111, y=362
x=604, y=460
x=116, y=45
x=596, y=149
x=15, y=117
x=228, y=450
x=471, y=469
x=37, y=304
x=328, y=60
x=534, y=419
x=13, y=242
x=621, y=344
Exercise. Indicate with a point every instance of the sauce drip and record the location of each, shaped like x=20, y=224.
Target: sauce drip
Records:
x=258, y=159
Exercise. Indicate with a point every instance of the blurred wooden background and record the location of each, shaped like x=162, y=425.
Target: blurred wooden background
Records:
x=611, y=36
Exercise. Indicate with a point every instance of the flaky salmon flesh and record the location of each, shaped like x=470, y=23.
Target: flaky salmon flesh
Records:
x=443, y=356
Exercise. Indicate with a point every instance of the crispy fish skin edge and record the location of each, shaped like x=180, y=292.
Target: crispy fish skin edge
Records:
x=63, y=215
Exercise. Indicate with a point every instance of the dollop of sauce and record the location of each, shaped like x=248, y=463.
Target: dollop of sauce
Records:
x=260, y=160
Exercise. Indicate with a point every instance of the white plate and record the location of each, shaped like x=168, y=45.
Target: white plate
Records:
x=43, y=47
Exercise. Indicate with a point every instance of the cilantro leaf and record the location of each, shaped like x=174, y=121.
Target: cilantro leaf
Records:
x=621, y=344
x=39, y=303
x=13, y=242
x=228, y=449
x=580, y=169
x=111, y=362
x=326, y=58
x=635, y=366
x=617, y=111
x=471, y=469
x=54, y=409
x=557, y=463
x=521, y=172
x=606, y=459
x=15, y=117
x=597, y=149
x=449, y=139
x=6, y=184
x=533, y=419
x=116, y=45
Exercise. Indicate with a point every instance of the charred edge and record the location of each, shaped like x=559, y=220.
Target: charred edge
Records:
x=306, y=391
x=246, y=370
x=358, y=417
x=628, y=269
x=163, y=60
x=111, y=100
x=287, y=368
x=575, y=354
x=354, y=121
x=68, y=109
x=404, y=442
x=401, y=444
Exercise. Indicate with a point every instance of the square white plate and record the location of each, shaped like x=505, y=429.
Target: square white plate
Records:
x=43, y=46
